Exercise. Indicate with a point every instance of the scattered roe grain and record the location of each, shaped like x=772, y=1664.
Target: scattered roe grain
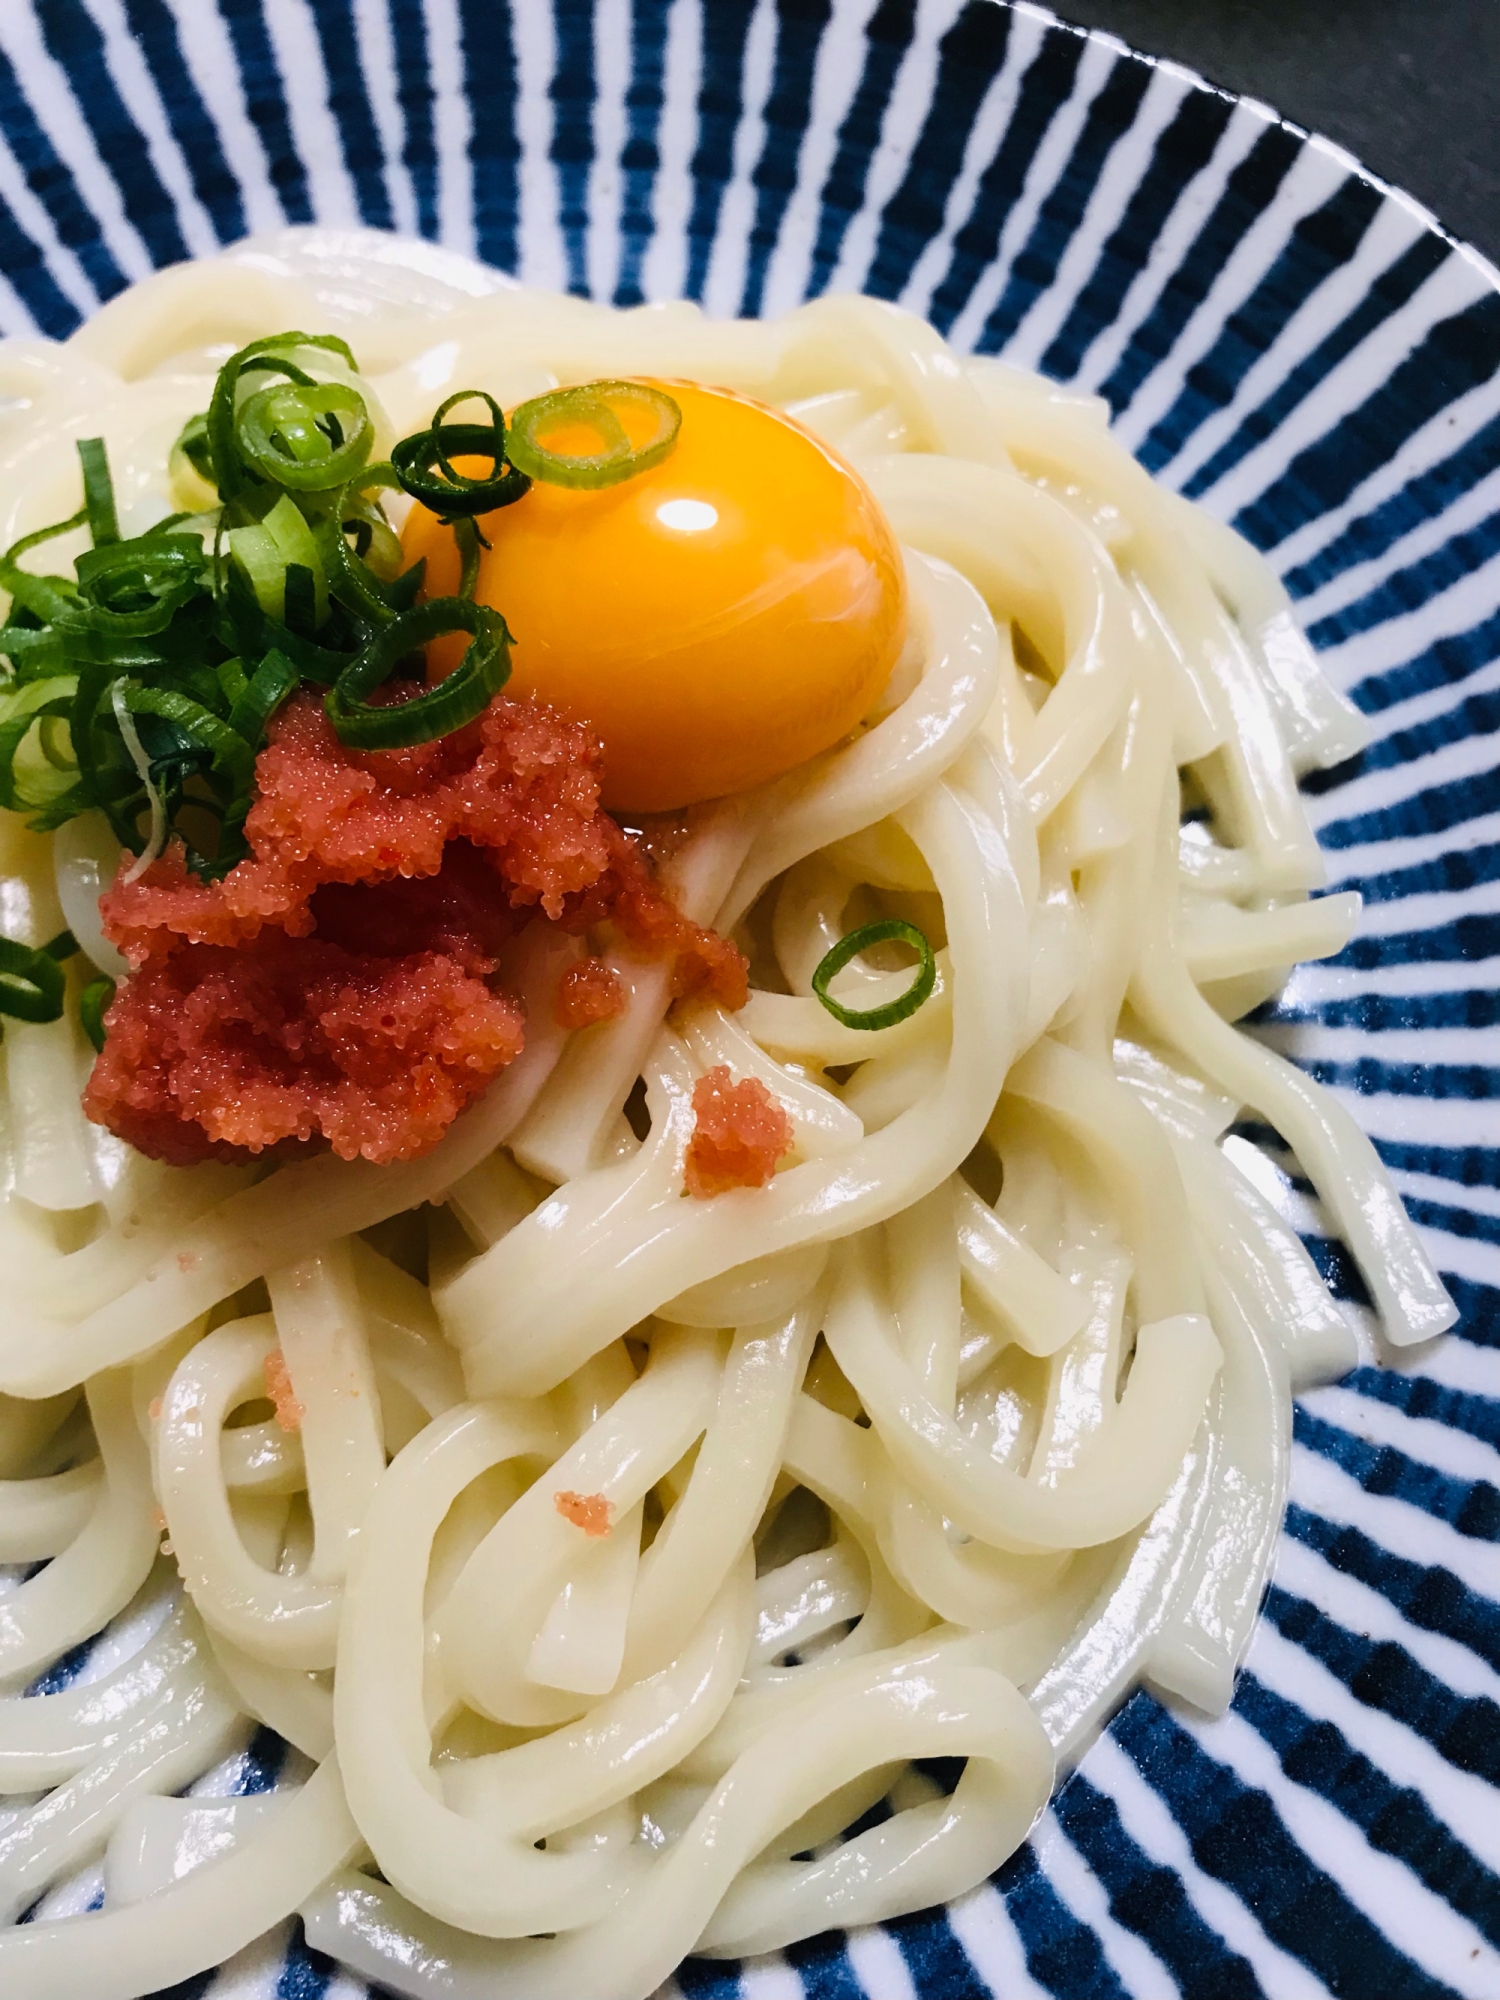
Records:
x=289, y=1412
x=588, y=992
x=741, y=1131
x=590, y=1511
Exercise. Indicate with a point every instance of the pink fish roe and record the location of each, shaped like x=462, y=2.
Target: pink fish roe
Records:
x=521, y=784
x=214, y=1053
x=741, y=1131
x=590, y=1511
x=589, y=991
x=289, y=1411
x=339, y=984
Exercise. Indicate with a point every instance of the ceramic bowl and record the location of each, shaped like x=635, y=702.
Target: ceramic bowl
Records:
x=1278, y=335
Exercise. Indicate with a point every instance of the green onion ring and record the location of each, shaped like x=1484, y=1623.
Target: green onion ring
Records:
x=497, y=427
x=93, y=1003
x=62, y=946
x=280, y=434
x=130, y=590
x=591, y=404
x=232, y=678
x=121, y=639
x=13, y=733
x=423, y=464
x=32, y=984
x=301, y=612
x=465, y=694
x=272, y=355
x=889, y=930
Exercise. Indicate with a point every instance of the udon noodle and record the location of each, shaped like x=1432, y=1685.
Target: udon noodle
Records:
x=974, y=1417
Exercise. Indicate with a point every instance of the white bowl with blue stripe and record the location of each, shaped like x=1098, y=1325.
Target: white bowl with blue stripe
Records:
x=1279, y=336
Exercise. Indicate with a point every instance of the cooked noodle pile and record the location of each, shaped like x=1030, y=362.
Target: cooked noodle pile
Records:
x=606, y=1579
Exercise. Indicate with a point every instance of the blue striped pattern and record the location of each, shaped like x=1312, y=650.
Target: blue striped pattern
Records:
x=1277, y=337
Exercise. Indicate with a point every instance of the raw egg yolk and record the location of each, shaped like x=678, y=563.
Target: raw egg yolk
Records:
x=717, y=619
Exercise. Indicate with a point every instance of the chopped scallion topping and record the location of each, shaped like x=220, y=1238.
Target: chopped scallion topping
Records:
x=98, y=492
x=32, y=983
x=305, y=437
x=93, y=1004
x=142, y=685
x=261, y=695
x=227, y=467
x=366, y=578
x=465, y=694
x=594, y=409
x=39, y=535
x=889, y=930
x=424, y=465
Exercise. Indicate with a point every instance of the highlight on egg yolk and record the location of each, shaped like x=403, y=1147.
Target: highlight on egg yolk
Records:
x=717, y=619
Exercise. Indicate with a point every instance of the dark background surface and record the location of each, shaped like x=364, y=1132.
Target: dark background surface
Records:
x=1412, y=87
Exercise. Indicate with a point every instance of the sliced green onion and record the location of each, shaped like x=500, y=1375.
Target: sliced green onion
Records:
x=301, y=599
x=269, y=549
x=496, y=428
x=47, y=598
x=145, y=681
x=465, y=694
x=69, y=806
x=404, y=590
x=55, y=741
x=36, y=654
x=255, y=549
x=192, y=450
x=93, y=1004
x=29, y=707
x=129, y=591
x=272, y=355
x=202, y=683
x=62, y=946
x=352, y=579
x=468, y=539
x=424, y=462
x=39, y=535
x=98, y=492
x=107, y=775
x=376, y=543
x=308, y=437
x=270, y=684
x=232, y=679
x=592, y=405
x=120, y=574
x=32, y=983
x=253, y=633
x=227, y=748
x=889, y=930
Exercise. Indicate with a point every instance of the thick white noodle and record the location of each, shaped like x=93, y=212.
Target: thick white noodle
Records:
x=975, y=1416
